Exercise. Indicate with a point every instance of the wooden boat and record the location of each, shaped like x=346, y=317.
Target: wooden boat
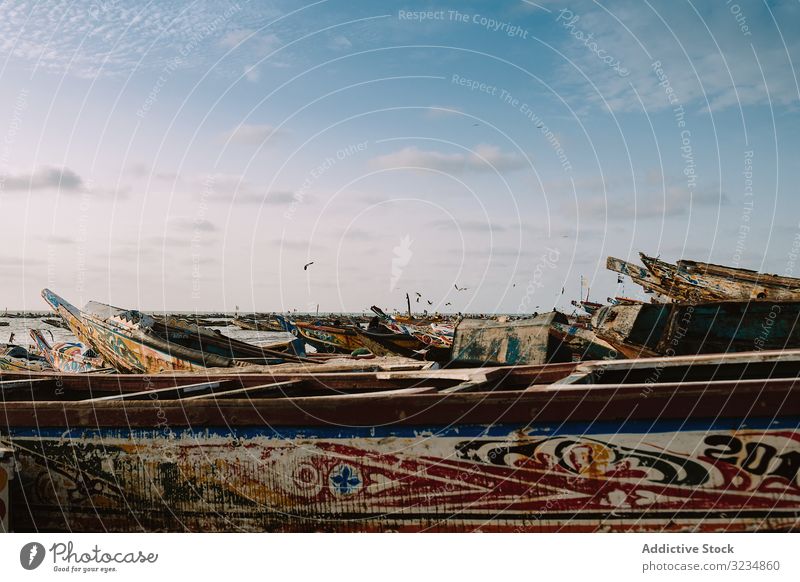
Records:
x=480, y=342
x=132, y=341
x=706, y=443
x=431, y=343
x=696, y=282
x=17, y=358
x=70, y=357
x=402, y=344
x=59, y=323
x=582, y=343
x=258, y=323
x=684, y=329
x=326, y=339
x=329, y=338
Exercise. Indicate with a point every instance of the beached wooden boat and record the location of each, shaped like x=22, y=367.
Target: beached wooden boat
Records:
x=59, y=323
x=17, y=358
x=708, y=443
x=684, y=329
x=482, y=342
x=696, y=282
x=270, y=323
x=582, y=343
x=403, y=344
x=329, y=339
x=132, y=341
x=430, y=342
x=70, y=357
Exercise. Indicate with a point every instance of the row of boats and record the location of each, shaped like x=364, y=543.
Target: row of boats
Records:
x=668, y=415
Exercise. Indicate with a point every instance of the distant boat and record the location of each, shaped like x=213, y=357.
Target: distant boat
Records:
x=135, y=342
x=257, y=323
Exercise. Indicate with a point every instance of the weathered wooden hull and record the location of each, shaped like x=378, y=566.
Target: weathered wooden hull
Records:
x=329, y=339
x=695, y=282
x=12, y=364
x=480, y=342
x=685, y=329
x=182, y=348
x=258, y=324
x=67, y=357
x=583, y=343
x=406, y=345
x=675, y=456
x=668, y=475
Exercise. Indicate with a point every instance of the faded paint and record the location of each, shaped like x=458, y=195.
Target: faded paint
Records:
x=695, y=282
x=667, y=475
x=685, y=329
x=527, y=341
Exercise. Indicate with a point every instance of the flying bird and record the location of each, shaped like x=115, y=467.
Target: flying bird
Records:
x=430, y=302
x=307, y=265
x=460, y=288
x=448, y=303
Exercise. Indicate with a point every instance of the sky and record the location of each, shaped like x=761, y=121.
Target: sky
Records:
x=487, y=156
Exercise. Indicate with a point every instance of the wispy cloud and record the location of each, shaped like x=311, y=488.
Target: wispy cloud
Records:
x=87, y=39
x=44, y=178
x=468, y=226
x=704, y=55
x=247, y=134
x=483, y=158
x=340, y=42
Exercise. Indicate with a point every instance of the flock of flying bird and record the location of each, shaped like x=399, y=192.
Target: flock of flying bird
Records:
x=419, y=295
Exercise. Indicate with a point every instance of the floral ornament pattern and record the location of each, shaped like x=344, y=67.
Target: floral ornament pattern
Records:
x=345, y=480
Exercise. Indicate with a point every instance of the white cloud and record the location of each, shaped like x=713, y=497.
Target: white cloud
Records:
x=43, y=179
x=251, y=73
x=340, y=42
x=247, y=134
x=483, y=158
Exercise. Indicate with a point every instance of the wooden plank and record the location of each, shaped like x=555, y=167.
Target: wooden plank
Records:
x=14, y=383
x=16, y=386
x=167, y=393
x=241, y=392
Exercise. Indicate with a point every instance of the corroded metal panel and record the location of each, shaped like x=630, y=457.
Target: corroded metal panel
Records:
x=620, y=476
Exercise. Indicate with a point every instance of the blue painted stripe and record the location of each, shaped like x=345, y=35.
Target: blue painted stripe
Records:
x=463, y=431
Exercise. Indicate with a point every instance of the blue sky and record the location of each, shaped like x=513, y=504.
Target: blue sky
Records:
x=196, y=155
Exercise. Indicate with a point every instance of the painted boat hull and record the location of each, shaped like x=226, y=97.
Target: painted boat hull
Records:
x=329, y=339
x=690, y=456
x=407, y=345
x=686, y=329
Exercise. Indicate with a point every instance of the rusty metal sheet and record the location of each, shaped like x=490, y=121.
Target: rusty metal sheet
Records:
x=483, y=342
